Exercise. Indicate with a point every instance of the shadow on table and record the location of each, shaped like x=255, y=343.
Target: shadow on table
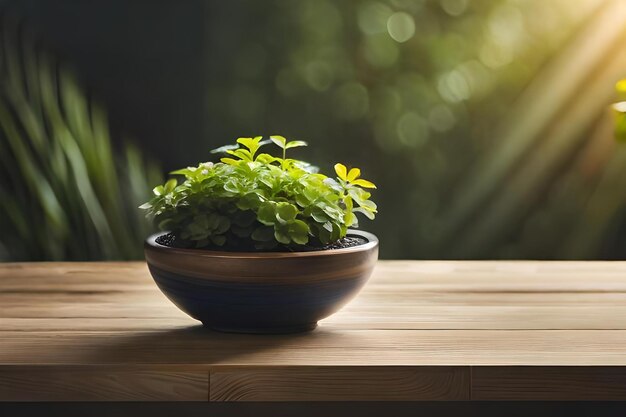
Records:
x=199, y=345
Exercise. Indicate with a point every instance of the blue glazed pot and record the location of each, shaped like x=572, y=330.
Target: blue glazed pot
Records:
x=265, y=292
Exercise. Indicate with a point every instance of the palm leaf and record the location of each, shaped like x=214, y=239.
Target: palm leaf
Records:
x=66, y=192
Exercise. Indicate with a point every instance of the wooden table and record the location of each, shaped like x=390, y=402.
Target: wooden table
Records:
x=418, y=331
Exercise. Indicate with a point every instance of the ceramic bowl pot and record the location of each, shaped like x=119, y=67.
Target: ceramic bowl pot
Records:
x=264, y=292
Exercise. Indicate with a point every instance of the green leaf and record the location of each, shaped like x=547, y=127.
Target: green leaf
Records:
x=286, y=211
x=249, y=201
x=230, y=161
x=358, y=194
x=267, y=213
x=253, y=144
x=298, y=232
x=232, y=186
x=367, y=204
x=170, y=185
x=305, y=166
x=222, y=226
x=184, y=171
x=323, y=234
x=263, y=233
x=159, y=190
x=337, y=233
x=282, y=235
x=319, y=216
x=302, y=200
x=368, y=213
x=349, y=218
x=295, y=144
x=242, y=154
x=244, y=218
x=279, y=141
x=333, y=184
x=145, y=206
x=218, y=240
x=266, y=158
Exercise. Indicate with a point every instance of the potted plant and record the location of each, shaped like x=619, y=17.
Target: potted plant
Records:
x=258, y=243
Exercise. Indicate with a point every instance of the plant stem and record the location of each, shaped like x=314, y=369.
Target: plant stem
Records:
x=282, y=165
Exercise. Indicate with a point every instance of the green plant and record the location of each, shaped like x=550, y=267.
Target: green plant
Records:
x=620, y=111
x=65, y=192
x=253, y=200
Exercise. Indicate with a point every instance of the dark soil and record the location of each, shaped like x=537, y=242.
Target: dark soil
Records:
x=171, y=240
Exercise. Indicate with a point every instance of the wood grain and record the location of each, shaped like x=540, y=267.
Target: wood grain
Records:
x=549, y=383
x=340, y=384
x=96, y=384
x=523, y=330
x=201, y=349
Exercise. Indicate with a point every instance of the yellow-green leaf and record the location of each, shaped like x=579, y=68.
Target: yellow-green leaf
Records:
x=230, y=161
x=170, y=185
x=354, y=174
x=279, y=140
x=295, y=144
x=341, y=171
x=364, y=183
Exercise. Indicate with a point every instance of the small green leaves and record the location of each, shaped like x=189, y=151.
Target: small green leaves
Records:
x=298, y=232
x=286, y=212
x=170, y=185
x=166, y=188
x=230, y=161
x=267, y=213
x=258, y=201
x=295, y=144
x=253, y=145
x=159, y=190
x=280, y=141
x=263, y=234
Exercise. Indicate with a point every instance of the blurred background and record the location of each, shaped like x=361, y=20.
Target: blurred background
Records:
x=486, y=124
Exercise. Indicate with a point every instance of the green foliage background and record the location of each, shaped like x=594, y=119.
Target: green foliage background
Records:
x=487, y=131
x=65, y=192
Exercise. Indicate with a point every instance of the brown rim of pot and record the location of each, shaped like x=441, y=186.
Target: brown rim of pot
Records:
x=372, y=242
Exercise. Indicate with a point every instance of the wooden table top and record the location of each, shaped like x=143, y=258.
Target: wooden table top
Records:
x=418, y=331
